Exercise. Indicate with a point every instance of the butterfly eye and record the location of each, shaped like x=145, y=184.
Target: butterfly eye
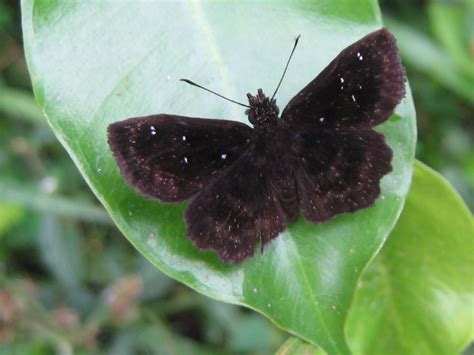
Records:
x=253, y=116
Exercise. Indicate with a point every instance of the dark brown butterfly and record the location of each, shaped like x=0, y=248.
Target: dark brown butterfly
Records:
x=320, y=159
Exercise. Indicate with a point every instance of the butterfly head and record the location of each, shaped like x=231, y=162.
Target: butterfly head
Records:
x=262, y=111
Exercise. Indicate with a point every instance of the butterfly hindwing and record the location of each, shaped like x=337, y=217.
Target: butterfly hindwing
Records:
x=170, y=157
x=244, y=205
x=340, y=171
x=360, y=88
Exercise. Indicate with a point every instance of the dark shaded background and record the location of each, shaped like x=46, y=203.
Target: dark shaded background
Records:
x=70, y=281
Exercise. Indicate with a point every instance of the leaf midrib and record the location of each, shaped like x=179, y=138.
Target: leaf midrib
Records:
x=210, y=43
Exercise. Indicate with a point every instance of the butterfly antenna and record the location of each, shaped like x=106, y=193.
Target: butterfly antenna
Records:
x=286, y=67
x=213, y=92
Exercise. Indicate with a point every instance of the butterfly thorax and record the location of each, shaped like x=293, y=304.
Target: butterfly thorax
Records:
x=263, y=111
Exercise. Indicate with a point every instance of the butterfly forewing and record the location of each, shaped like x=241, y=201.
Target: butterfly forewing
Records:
x=171, y=158
x=359, y=88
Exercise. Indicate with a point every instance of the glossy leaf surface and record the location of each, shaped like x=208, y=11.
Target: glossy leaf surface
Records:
x=93, y=63
x=416, y=296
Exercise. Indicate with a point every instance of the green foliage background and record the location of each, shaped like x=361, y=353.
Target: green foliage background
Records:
x=82, y=286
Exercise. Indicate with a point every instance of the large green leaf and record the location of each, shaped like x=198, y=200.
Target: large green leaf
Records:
x=416, y=297
x=93, y=63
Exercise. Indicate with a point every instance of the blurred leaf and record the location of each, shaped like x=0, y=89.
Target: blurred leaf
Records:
x=20, y=104
x=423, y=54
x=31, y=347
x=416, y=297
x=251, y=333
x=34, y=198
x=10, y=214
x=449, y=23
x=123, y=59
x=156, y=339
x=61, y=251
x=220, y=319
x=295, y=346
x=6, y=15
x=155, y=283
